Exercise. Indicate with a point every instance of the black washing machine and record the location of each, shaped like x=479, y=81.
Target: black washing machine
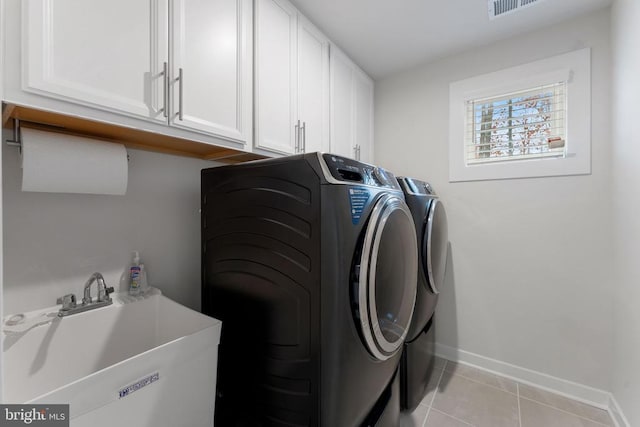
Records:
x=430, y=220
x=310, y=261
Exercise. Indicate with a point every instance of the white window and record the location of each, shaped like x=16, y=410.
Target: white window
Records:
x=523, y=125
x=527, y=121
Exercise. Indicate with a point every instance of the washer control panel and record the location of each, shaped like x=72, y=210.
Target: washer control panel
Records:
x=347, y=170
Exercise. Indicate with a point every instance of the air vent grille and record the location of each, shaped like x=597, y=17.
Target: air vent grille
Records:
x=502, y=7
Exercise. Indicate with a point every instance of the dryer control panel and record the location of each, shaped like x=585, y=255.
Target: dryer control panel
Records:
x=415, y=186
x=347, y=170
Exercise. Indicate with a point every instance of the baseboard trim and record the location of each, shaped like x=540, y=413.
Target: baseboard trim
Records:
x=616, y=413
x=592, y=396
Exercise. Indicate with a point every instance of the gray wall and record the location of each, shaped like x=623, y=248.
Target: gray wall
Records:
x=530, y=269
x=53, y=242
x=626, y=204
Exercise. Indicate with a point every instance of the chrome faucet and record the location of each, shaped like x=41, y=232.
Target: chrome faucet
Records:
x=69, y=305
x=103, y=292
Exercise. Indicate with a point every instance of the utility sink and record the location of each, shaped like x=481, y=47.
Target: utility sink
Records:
x=143, y=361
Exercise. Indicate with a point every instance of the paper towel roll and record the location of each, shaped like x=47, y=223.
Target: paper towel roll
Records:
x=59, y=163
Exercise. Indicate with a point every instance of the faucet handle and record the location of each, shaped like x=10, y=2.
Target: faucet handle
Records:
x=103, y=294
x=68, y=301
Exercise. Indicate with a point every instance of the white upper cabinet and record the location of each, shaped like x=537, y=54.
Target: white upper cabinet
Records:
x=91, y=52
x=275, y=71
x=186, y=63
x=351, y=109
x=313, y=87
x=363, y=122
x=252, y=75
x=211, y=54
x=342, y=105
x=291, y=75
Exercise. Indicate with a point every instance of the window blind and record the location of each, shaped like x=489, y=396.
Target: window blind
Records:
x=527, y=124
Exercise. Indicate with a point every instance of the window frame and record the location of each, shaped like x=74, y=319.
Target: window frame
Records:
x=575, y=69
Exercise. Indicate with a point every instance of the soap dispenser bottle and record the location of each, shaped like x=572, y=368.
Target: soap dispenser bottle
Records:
x=144, y=284
x=134, y=275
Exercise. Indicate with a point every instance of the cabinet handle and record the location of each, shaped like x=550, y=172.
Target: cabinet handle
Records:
x=180, y=90
x=165, y=86
x=359, y=151
x=296, y=128
x=355, y=152
x=304, y=137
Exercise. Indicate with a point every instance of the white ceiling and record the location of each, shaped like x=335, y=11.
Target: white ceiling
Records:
x=385, y=36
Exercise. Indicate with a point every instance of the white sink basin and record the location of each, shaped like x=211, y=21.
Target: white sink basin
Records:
x=96, y=361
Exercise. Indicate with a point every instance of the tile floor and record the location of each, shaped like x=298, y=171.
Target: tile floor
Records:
x=461, y=396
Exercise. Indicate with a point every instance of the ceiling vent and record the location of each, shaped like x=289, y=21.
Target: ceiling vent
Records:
x=503, y=7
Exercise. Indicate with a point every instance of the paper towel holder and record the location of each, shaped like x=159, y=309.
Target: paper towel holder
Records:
x=17, y=136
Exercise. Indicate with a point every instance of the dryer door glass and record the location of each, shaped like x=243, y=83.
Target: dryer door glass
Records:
x=435, y=240
x=388, y=277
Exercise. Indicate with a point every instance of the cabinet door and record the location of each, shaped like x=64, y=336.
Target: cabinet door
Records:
x=211, y=57
x=342, y=102
x=105, y=54
x=313, y=87
x=363, y=96
x=275, y=102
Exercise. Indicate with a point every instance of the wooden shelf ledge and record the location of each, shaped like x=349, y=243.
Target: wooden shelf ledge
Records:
x=130, y=137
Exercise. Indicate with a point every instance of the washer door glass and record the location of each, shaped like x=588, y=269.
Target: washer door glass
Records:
x=435, y=239
x=388, y=276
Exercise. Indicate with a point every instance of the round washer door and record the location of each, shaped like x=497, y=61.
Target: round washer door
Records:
x=435, y=239
x=388, y=275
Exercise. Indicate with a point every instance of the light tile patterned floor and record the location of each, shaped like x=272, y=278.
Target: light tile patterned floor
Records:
x=461, y=396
